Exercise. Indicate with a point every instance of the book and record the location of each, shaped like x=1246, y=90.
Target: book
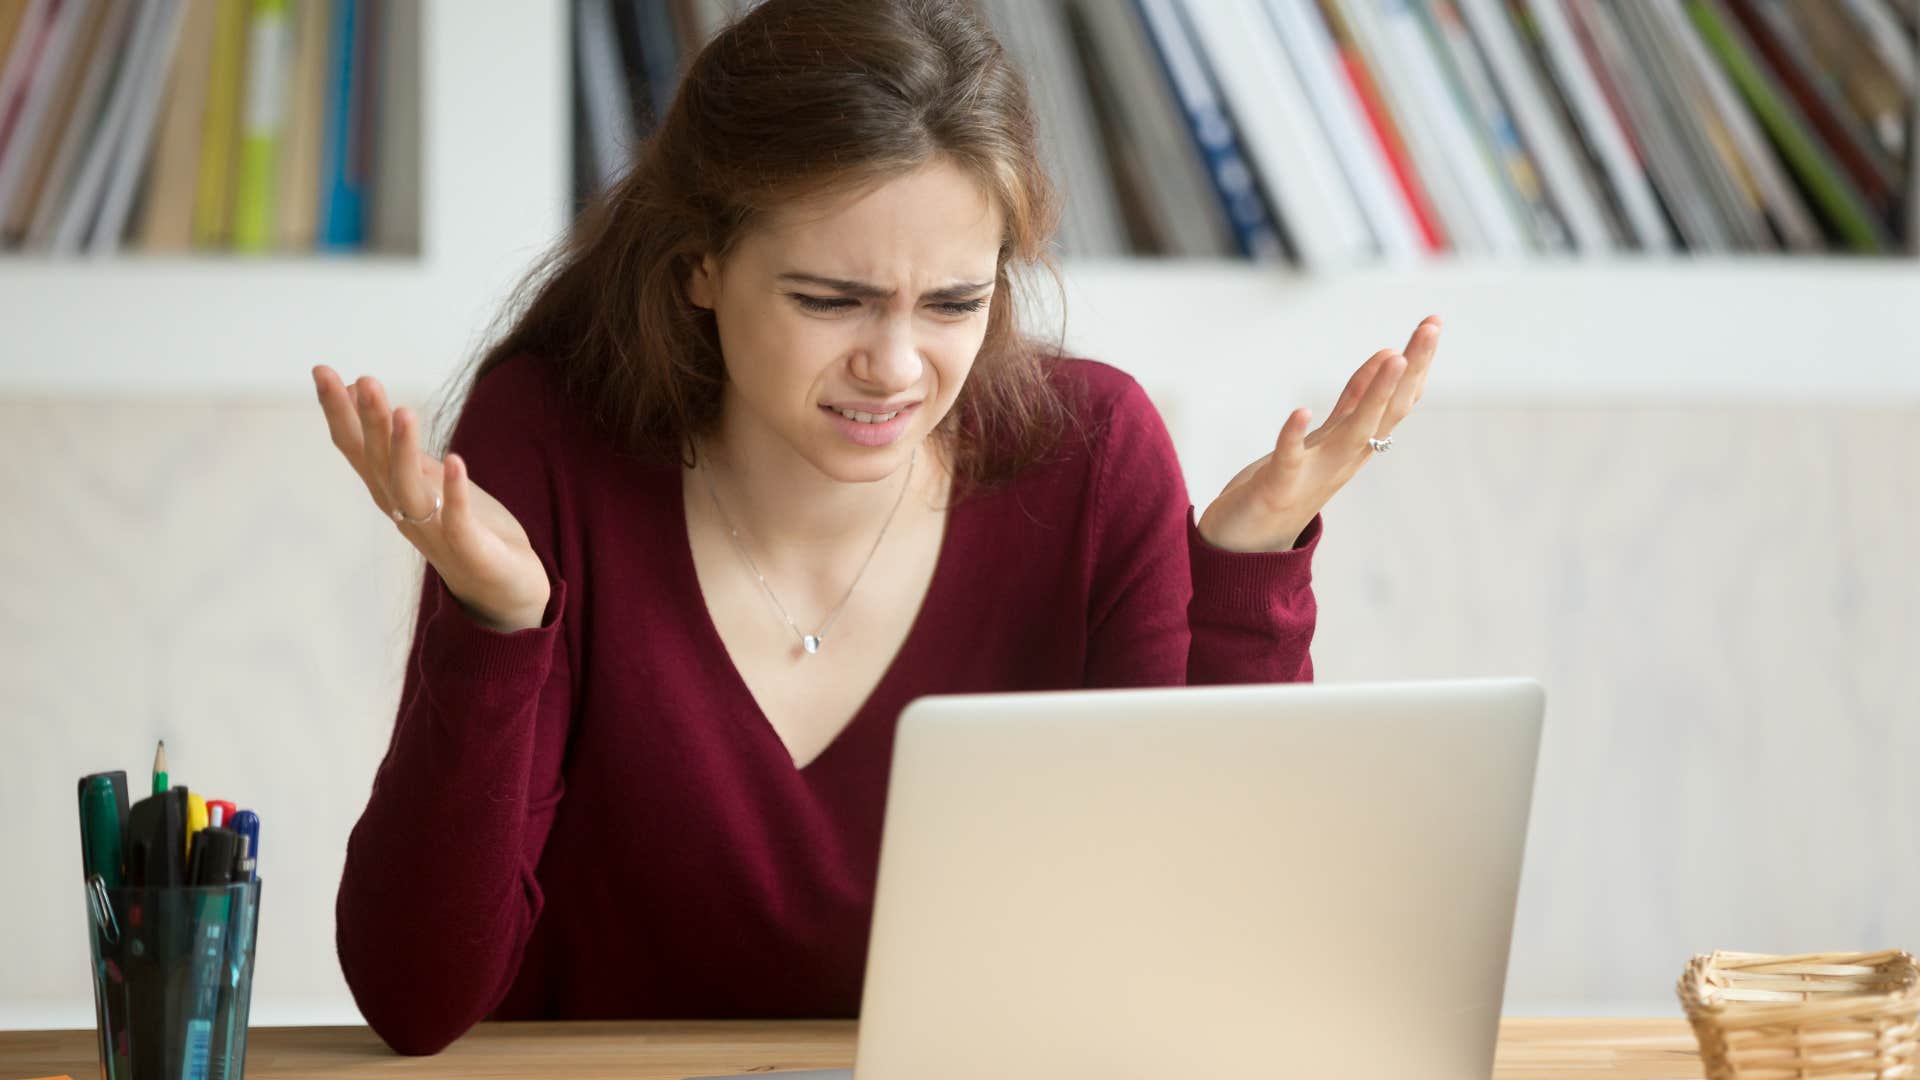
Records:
x=220, y=127
x=1541, y=129
x=166, y=216
x=1441, y=105
x=1170, y=172
x=1510, y=162
x=1241, y=195
x=1681, y=191
x=608, y=110
x=298, y=198
x=1371, y=97
x=1715, y=174
x=1363, y=161
x=1775, y=41
x=1853, y=75
x=28, y=43
x=1829, y=190
x=1601, y=128
x=396, y=187
x=112, y=151
x=1036, y=35
x=343, y=162
x=63, y=115
x=659, y=45
x=12, y=13
x=61, y=42
x=103, y=64
x=135, y=152
x=1273, y=114
x=263, y=122
x=1427, y=167
x=1782, y=203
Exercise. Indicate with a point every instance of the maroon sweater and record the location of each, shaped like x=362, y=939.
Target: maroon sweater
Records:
x=593, y=819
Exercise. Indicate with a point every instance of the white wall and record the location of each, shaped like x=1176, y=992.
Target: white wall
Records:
x=1719, y=598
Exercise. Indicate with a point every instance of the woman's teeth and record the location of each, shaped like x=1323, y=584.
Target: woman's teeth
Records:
x=866, y=417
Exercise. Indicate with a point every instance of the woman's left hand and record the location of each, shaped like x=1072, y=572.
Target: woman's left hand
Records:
x=1271, y=502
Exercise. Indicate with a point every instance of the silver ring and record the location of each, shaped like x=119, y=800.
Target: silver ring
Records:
x=1381, y=446
x=401, y=515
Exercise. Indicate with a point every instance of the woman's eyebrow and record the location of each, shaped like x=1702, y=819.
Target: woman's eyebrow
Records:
x=874, y=292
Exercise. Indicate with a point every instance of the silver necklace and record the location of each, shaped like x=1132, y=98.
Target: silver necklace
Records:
x=810, y=642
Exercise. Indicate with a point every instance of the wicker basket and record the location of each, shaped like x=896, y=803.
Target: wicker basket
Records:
x=1837, y=1016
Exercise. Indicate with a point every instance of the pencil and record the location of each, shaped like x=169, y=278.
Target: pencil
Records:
x=160, y=768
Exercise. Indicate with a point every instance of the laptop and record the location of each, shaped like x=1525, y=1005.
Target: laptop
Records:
x=1312, y=880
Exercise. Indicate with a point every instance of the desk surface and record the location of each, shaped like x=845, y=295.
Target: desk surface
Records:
x=1550, y=1049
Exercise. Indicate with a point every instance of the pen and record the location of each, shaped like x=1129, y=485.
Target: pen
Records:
x=156, y=929
x=100, y=830
x=160, y=767
x=196, y=820
x=230, y=1031
x=220, y=812
x=213, y=853
x=103, y=816
x=247, y=824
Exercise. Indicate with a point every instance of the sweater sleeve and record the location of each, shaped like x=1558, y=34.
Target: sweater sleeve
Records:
x=1168, y=608
x=438, y=894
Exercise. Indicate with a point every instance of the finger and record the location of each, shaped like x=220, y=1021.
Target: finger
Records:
x=408, y=482
x=1290, y=449
x=1365, y=421
x=457, y=523
x=377, y=425
x=343, y=420
x=1420, y=351
x=1357, y=385
x=1425, y=337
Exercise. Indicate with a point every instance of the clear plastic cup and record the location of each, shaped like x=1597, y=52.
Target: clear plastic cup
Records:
x=172, y=979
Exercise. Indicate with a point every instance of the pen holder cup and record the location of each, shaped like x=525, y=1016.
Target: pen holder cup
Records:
x=172, y=979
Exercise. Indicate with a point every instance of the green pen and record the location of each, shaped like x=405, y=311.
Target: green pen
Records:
x=160, y=768
x=100, y=819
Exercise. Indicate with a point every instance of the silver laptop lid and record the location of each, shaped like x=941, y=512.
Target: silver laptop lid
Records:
x=1286, y=880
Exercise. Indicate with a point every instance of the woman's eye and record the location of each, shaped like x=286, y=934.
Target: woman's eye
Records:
x=815, y=303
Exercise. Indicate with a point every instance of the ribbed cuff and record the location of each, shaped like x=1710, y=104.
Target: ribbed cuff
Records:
x=1236, y=586
x=465, y=660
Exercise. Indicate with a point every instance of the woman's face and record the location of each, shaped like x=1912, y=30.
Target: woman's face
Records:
x=848, y=328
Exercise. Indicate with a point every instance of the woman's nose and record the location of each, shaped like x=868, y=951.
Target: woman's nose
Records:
x=890, y=361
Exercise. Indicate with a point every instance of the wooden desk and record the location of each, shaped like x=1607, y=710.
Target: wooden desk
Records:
x=653, y=1050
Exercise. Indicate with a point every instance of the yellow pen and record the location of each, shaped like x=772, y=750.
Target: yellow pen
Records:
x=196, y=820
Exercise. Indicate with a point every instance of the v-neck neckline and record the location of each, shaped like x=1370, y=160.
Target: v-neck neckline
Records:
x=709, y=631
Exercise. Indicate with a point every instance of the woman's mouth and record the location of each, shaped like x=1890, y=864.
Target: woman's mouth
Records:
x=870, y=429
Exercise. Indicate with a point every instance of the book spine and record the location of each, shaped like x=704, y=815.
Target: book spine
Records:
x=261, y=127
x=340, y=218
x=1213, y=133
x=212, y=211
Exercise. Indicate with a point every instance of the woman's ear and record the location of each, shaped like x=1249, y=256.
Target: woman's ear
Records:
x=701, y=283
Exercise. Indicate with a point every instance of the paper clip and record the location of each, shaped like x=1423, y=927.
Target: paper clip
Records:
x=102, y=909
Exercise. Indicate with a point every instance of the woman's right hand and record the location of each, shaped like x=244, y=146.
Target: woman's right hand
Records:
x=476, y=544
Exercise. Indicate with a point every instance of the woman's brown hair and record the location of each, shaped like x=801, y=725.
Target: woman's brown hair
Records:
x=794, y=100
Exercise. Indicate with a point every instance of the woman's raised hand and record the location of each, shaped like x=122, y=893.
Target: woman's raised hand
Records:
x=1272, y=501
x=478, y=547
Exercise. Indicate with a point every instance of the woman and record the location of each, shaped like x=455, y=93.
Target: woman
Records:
x=763, y=459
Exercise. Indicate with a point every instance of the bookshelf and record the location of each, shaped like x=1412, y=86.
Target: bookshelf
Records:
x=493, y=194
x=495, y=190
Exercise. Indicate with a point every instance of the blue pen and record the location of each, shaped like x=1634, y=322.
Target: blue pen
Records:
x=230, y=1032
x=247, y=824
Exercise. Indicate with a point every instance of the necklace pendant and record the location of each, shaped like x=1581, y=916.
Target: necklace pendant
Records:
x=811, y=643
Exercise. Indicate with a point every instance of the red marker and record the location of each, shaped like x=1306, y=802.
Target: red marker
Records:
x=219, y=812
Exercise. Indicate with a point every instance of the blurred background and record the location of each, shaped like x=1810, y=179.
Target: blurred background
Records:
x=1666, y=461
